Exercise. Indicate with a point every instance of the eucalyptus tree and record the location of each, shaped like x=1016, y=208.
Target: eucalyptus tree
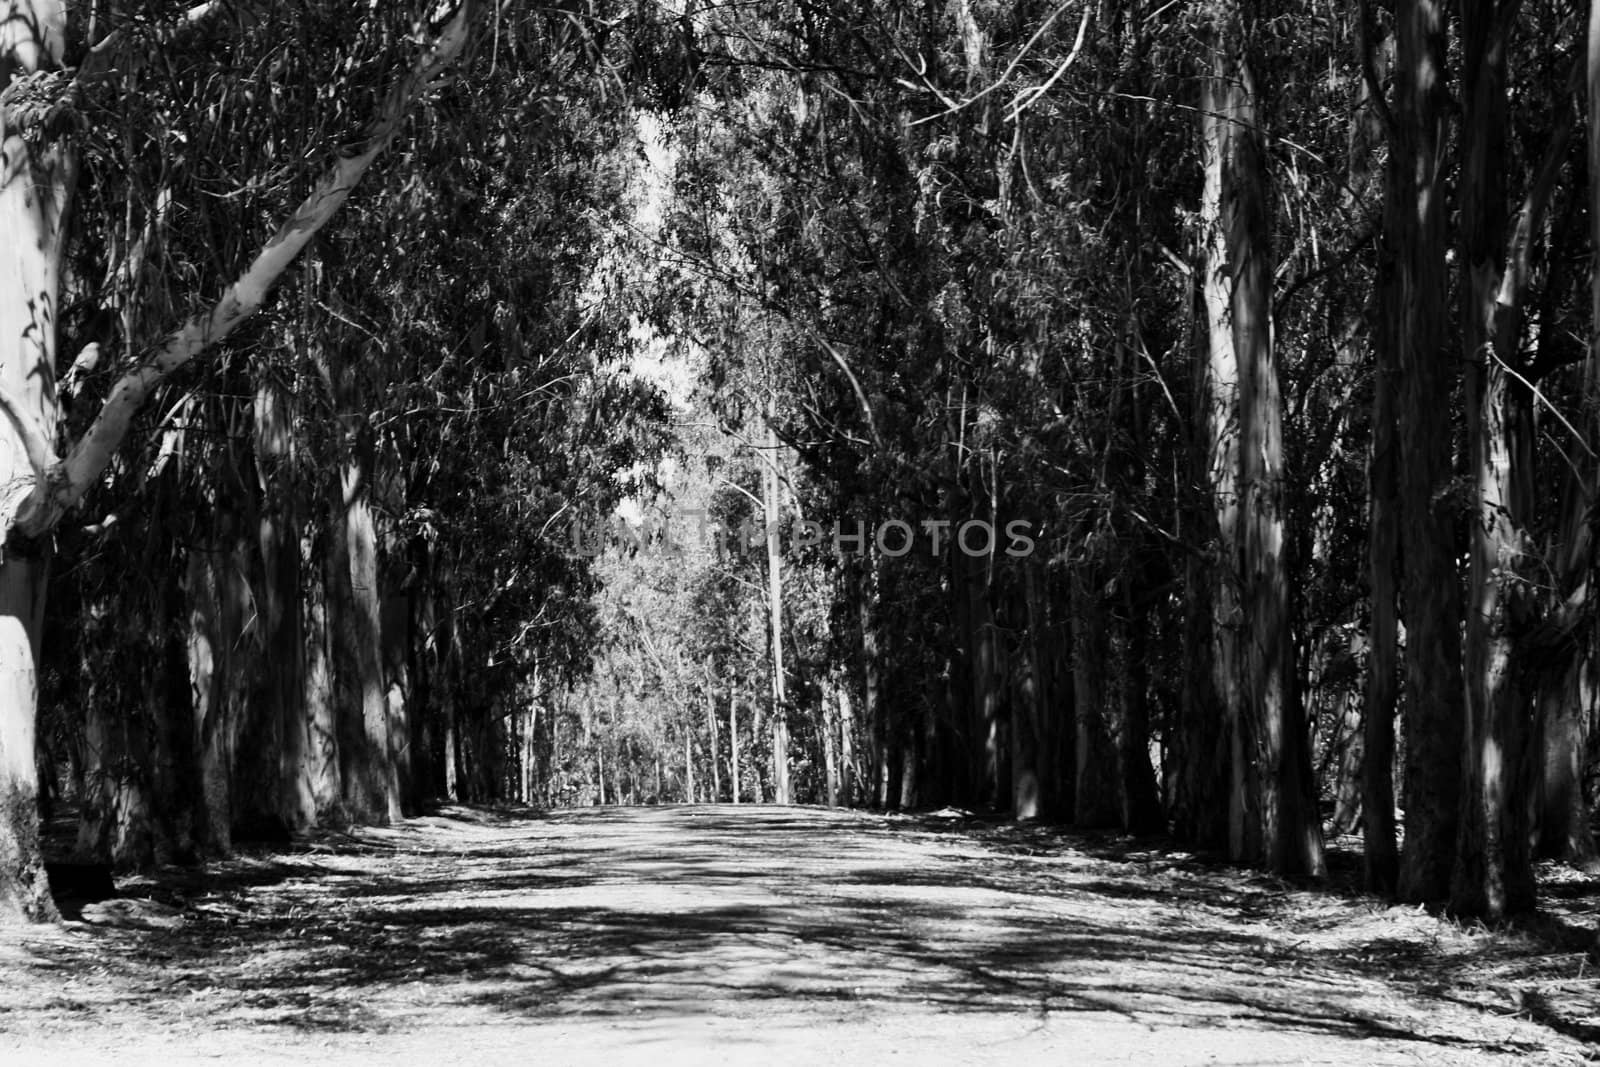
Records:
x=332, y=110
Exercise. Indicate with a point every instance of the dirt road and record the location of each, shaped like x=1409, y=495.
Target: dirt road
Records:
x=757, y=935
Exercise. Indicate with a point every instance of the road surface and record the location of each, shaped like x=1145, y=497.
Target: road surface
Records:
x=717, y=934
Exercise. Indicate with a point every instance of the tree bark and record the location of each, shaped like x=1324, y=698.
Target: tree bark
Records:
x=830, y=761
x=1493, y=872
x=1272, y=817
x=733, y=740
x=1566, y=706
x=1415, y=218
x=1033, y=773
x=1141, y=800
x=1096, y=800
x=372, y=782
x=711, y=727
x=35, y=195
x=1220, y=397
x=321, y=779
x=1381, y=856
x=222, y=662
x=280, y=725
x=850, y=791
x=770, y=499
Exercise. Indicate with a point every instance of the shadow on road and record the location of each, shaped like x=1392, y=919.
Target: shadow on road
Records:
x=630, y=913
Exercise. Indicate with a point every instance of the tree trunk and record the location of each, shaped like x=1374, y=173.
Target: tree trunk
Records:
x=986, y=785
x=770, y=498
x=1097, y=802
x=1271, y=814
x=1381, y=857
x=1141, y=800
x=146, y=804
x=1566, y=706
x=733, y=740
x=830, y=761
x=711, y=725
x=24, y=891
x=372, y=783
x=1222, y=420
x=850, y=793
x=1493, y=872
x=320, y=772
x=1200, y=774
x=1415, y=219
x=222, y=662
x=279, y=727
x=872, y=712
x=399, y=679
x=1032, y=772
x=36, y=185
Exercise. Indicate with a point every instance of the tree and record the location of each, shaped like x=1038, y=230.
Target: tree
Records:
x=39, y=169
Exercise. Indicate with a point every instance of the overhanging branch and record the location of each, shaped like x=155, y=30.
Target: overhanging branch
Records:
x=68, y=480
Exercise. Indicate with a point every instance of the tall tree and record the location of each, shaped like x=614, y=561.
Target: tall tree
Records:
x=1271, y=816
x=38, y=174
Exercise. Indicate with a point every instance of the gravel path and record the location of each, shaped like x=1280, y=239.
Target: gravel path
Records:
x=755, y=935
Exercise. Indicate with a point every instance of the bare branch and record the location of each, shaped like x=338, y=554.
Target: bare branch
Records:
x=1019, y=105
x=855, y=384
x=952, y=107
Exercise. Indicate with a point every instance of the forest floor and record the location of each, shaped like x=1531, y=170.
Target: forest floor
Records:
x=761, y=935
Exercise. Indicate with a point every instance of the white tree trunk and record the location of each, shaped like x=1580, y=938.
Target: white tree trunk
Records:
x=35, y=190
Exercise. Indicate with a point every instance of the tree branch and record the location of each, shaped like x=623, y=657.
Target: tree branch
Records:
x=1518, y=270
x=68, y=480
x=1335, y=264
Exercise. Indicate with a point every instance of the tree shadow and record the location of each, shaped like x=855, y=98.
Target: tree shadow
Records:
x=612, y=913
